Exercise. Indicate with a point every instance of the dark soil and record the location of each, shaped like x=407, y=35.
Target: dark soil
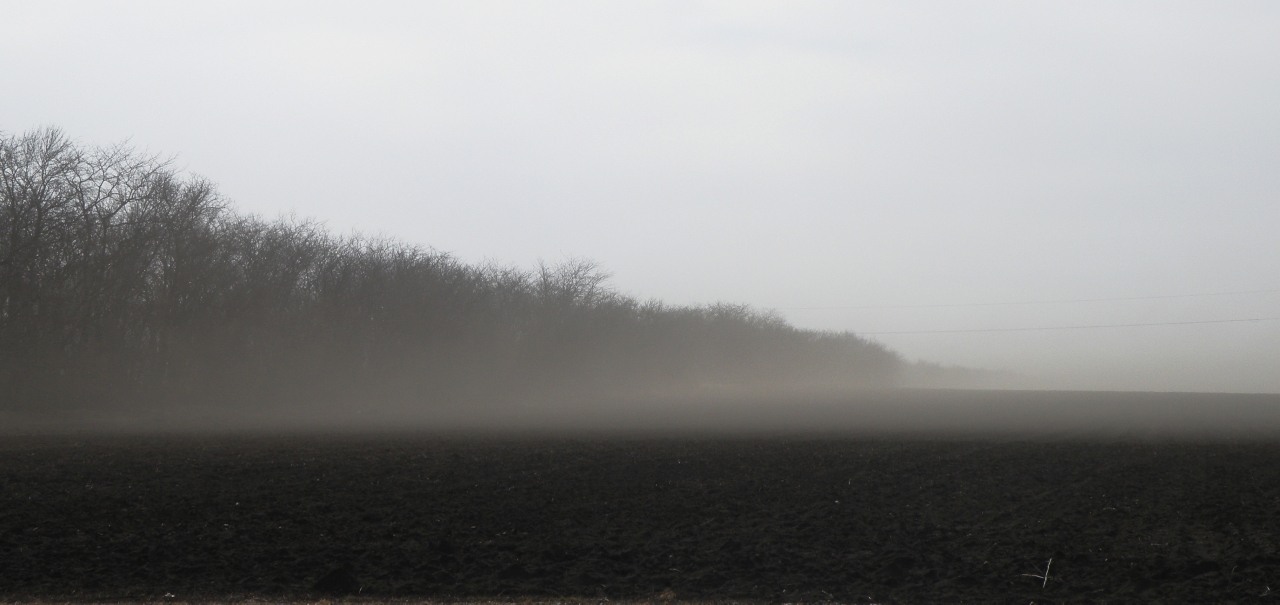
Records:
x=854, y=519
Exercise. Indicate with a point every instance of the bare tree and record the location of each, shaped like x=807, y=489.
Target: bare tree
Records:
x=122, y=280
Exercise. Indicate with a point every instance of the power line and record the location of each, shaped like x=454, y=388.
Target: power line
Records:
x=1031, y=302
x=1085, y=327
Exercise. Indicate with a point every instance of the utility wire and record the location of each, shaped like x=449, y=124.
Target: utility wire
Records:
x=1086, y=327
x=1031, y=302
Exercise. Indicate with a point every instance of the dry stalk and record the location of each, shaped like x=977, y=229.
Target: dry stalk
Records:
x=1045, y=576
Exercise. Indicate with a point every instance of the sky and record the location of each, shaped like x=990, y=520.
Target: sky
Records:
x=875, y=167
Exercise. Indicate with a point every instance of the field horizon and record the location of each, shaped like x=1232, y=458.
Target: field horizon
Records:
x=906, y=412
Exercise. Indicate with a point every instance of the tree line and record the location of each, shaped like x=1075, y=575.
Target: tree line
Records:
x=126, y=283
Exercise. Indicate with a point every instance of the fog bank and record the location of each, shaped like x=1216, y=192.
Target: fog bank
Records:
x=897, y=413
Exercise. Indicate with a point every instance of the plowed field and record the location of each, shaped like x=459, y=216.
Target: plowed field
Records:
x=854, y=519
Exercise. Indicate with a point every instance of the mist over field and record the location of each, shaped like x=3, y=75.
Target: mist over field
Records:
x=639, y=301
x=138, y=299
x=406, y=215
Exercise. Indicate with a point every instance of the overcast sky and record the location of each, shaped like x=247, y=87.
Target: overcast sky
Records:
x=816, y=158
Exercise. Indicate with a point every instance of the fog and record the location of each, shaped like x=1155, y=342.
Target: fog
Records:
x=1125, y=353
x=471, y=214
x=916, y=414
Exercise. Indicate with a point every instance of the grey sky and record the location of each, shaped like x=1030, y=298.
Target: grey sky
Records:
x=787, y=155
